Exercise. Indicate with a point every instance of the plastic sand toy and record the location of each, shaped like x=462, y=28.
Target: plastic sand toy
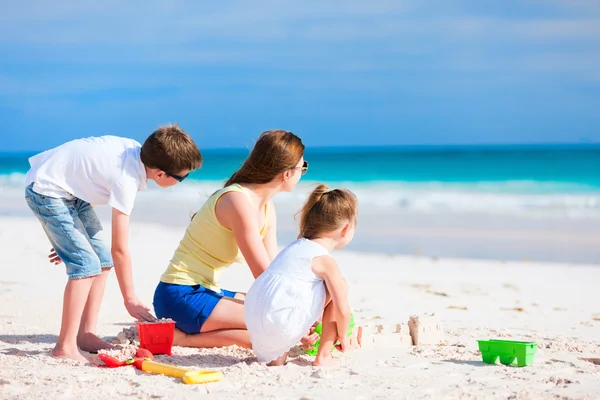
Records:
x=319, y=330
x=187, y=375
x=508, y=351
x=143, y=361
x=157, y=337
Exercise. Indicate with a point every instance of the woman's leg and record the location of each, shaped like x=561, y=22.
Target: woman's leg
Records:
x=225, y=326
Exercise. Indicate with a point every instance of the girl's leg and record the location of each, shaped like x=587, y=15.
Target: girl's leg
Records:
x=328, y=337
x=224, y=327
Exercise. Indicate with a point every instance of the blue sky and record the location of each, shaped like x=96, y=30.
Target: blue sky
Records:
x=351, y=72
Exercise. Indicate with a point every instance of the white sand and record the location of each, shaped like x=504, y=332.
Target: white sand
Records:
x=559, y=304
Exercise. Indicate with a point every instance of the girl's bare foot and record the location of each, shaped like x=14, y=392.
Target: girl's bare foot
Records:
x=278, y=362
x=326, y=361
x=73, y=354
x=92, y=343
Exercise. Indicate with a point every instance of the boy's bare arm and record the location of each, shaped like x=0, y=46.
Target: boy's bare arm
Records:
x=122, y=262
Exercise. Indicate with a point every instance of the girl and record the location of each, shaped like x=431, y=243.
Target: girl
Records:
x=304, y=279
x=236, y=223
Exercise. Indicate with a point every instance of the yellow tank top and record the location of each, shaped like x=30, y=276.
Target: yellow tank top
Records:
x=207, y=247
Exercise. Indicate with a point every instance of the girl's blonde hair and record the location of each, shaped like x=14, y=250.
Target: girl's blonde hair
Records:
x=327, y=210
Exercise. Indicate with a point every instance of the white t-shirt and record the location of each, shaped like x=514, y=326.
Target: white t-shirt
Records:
x=99, y=170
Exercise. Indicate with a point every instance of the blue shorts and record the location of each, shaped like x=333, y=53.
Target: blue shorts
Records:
x=74, y=231
x=188, y=306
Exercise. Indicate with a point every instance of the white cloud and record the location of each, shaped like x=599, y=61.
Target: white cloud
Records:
x=334, y=44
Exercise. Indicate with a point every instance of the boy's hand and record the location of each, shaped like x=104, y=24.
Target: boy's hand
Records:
x=139, y=311
x=344, y=344
x=54, y=258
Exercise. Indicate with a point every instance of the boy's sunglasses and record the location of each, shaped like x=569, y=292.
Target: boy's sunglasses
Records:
x=304, y=168
x=179, y=178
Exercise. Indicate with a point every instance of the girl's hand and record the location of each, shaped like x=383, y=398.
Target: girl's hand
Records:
x=344, y=344
x=309, y=340
x=54, y=258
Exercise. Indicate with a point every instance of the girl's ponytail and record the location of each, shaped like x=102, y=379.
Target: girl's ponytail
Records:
x=326, y=210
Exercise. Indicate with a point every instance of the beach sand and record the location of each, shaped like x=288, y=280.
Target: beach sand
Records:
x=556, y=305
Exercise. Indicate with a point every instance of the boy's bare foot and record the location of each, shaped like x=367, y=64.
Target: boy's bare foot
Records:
x=71, y=354
x=92, y=343
x=326, y=361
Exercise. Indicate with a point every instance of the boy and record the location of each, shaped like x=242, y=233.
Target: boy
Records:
x=61, y=186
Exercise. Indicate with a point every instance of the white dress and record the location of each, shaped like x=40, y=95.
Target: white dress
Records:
x=284, y=302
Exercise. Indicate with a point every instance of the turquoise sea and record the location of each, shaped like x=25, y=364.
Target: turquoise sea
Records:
x=563, y=179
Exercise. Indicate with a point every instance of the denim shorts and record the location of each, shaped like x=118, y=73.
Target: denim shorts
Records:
x=74, y=231
x=188, y=306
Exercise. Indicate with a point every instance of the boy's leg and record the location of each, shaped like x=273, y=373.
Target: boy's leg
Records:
x=72, y=246
x=87, y=339
x=89, y=223
x=76, y=292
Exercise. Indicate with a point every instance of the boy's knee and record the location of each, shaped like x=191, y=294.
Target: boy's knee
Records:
x=88, y=268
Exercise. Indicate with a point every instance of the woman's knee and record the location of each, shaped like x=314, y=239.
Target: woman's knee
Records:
x=227, y=314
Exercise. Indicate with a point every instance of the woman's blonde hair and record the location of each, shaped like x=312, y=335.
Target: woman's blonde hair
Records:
x=327, y=210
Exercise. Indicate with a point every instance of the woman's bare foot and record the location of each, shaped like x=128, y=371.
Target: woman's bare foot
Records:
x=326, y=361
x=179, y=338
x=92, y=343
x=73, y=354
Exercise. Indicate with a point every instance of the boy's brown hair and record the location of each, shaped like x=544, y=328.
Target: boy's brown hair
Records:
x=275, y=152
x=327, y=210
x=171, y=150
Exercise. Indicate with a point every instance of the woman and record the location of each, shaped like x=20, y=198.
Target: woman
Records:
x=236, y=223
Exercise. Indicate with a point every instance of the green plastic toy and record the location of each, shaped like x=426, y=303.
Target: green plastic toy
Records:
x=508, y=351
x=319, y=330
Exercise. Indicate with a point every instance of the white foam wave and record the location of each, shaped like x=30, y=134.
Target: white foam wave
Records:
x=508, y=198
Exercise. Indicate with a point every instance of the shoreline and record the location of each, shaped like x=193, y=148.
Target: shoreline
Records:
x=436, y=235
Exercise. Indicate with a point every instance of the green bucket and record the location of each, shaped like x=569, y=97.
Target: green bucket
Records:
x=508, y=351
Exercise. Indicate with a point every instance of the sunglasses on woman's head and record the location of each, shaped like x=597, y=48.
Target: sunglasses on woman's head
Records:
x=179, y=178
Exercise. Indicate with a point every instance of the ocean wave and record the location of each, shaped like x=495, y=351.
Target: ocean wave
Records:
x=504, y=198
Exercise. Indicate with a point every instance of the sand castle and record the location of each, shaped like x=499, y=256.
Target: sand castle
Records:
x=420, y=330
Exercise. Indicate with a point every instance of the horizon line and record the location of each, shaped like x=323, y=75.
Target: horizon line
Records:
x=392, y=146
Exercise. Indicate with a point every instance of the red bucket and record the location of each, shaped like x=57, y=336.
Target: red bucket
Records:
x=156, y=337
